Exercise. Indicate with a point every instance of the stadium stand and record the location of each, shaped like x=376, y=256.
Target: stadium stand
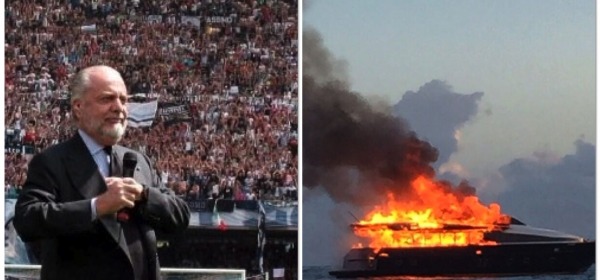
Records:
x=223, y=75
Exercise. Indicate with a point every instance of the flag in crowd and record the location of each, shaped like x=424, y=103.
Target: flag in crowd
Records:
x=172, y=112
x=262, y=240
x=141, y=114
x=144, y=114
x=217, y=220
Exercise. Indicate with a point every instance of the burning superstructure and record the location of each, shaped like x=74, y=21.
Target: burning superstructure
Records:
x=441, y=232
x=433, y=216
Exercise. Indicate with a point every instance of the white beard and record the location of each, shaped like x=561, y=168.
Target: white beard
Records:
x=115, y=132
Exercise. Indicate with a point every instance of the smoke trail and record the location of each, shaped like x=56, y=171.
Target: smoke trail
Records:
x=353, y=152
x=350, y=149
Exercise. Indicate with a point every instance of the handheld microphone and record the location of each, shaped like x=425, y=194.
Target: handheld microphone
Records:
x=129, y=163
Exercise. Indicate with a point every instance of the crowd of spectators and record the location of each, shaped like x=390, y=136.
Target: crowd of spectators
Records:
x=233, y=63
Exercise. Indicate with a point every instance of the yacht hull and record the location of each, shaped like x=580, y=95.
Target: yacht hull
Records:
x=472, y=260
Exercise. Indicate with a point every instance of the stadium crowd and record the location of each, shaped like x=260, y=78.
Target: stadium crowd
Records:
x=232, y=64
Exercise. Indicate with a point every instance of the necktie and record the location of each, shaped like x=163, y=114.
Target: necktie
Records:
x=108, y=151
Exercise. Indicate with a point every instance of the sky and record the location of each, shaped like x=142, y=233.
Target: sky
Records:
x=534, y=60
x=505, y=90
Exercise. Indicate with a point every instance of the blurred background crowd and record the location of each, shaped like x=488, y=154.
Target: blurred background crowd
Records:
x=233, y=66
x=230, y=66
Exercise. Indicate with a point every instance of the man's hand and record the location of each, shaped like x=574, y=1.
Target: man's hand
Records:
x=120, y=193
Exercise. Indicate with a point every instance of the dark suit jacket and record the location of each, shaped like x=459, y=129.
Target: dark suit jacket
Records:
x=54, y=208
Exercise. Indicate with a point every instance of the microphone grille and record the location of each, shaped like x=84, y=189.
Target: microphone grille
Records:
x=129, y=160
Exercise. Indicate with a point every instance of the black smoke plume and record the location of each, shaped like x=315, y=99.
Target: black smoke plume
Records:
x=349, y=148
x=352, y=152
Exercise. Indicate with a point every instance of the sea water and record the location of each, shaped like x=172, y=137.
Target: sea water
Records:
x=322, y=273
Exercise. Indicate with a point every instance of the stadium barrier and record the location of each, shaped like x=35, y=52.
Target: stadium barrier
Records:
x=23, y=272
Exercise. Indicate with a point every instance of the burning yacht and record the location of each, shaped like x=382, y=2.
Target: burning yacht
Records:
x=509, y=250
x=440, y=233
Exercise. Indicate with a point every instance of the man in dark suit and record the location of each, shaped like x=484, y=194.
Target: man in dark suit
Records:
x=93, y=224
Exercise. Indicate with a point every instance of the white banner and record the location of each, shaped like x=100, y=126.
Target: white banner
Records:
x=88, y=28
x=195, y=21
x=141, y=114
x=152, y=19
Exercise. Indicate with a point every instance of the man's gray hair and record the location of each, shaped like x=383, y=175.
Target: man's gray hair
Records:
x=81, y=81
x=79, y=84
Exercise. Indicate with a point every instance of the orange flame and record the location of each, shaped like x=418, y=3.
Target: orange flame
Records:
x=436, y=217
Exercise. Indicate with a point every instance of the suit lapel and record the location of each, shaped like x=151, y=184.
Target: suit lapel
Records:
x=87, y=179
x=116, y=231
x=82, y=169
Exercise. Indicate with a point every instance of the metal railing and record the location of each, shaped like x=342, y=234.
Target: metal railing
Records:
x=17, y=271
